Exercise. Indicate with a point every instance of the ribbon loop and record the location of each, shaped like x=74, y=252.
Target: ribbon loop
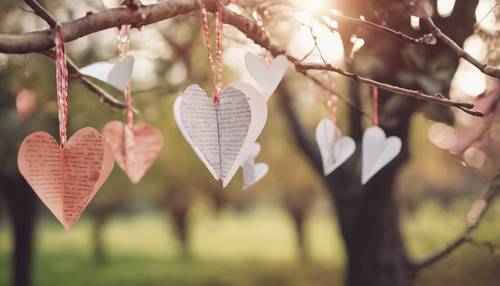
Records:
x=61, y=85
x=123, y=47
x=215, y=61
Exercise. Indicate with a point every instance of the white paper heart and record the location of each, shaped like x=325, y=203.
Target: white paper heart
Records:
x=252, y=173
x=221, y=134
x=116, y=74
x=267, y=76
x=253, y=151
x=335, y=149
x=378, y=151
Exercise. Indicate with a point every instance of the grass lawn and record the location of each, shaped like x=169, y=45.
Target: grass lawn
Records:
x=255, y=247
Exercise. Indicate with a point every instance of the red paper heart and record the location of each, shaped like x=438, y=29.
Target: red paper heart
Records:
x=135, y=149
x=66, y=179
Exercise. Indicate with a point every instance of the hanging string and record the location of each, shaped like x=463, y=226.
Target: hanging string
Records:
x=374, y=92
x=333, y=107
x=215, y=61
x=332, y=98
x=123, y=47
x=61, y=85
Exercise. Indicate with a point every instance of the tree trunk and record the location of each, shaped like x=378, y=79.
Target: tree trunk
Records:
x=178, y=203
x=97, y=239
x=297, y=202
x=371, y=234
x=182, y=232
x=21, y=204
x=368, y=215
x=298, y=222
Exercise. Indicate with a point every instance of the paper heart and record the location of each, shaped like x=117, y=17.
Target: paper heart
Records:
x=134, y=149
x=252, y=173
x=66, y=179
x=378, y=151
x=221, y=134
x=267, y=76
x=116, y=74
x=334, y=148
x=253, y=151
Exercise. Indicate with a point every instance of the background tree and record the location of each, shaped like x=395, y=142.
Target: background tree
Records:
x=413, y=75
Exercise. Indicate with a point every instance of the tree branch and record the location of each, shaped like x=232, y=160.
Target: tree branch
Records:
x=427, y=39
x=474, y=218
x=438, y=98
x=485, y=68
x=42, y=40
x=72, y=67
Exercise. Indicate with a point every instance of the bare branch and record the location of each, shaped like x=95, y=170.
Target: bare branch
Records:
x=41, y=41
x=329, y=89
x=474, y=218
x=75, y=72
x=103, y=95
x=466, y=107
x=425, y=39
x=485, y=68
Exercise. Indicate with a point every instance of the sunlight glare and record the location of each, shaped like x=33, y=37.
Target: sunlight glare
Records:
x=475, y=157
x=329, y=42
x=111, y=3
x=315, y=7
x=442, y=135
x=483, y=10
x=415, y=22
x=468, y=80
x=445, y=7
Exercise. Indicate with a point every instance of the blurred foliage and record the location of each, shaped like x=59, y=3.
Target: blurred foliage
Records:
x=255, y=247
x=251, y=242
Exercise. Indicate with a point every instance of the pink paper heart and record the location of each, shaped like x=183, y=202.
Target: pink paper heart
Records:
x=66, y=179
x=134, y=149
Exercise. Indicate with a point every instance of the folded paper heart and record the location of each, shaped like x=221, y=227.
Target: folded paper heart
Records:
x=135, y=149
x=334, y=148
x=66, y=179
x=267, y=76
x=378, y=151
x=115, y=74
x=253, y=151
x=221, y=133
x=252, y=173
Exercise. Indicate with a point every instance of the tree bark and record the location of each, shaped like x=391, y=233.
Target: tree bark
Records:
x=97, y=239
x=21, y=206
x=298, y=222
x=178, y=203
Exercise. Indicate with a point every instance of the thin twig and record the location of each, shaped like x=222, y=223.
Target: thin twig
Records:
x=486, y=15
x=466, y=107
x=425, y=39
x=490, y=246
x=98, y=91
x=475, y=216
x=72, y=67
x=329, y=89
x=461, y=53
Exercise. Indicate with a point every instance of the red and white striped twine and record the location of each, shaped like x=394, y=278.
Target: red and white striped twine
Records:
x=215, y=62
x=61, y=85
x=123, y=47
